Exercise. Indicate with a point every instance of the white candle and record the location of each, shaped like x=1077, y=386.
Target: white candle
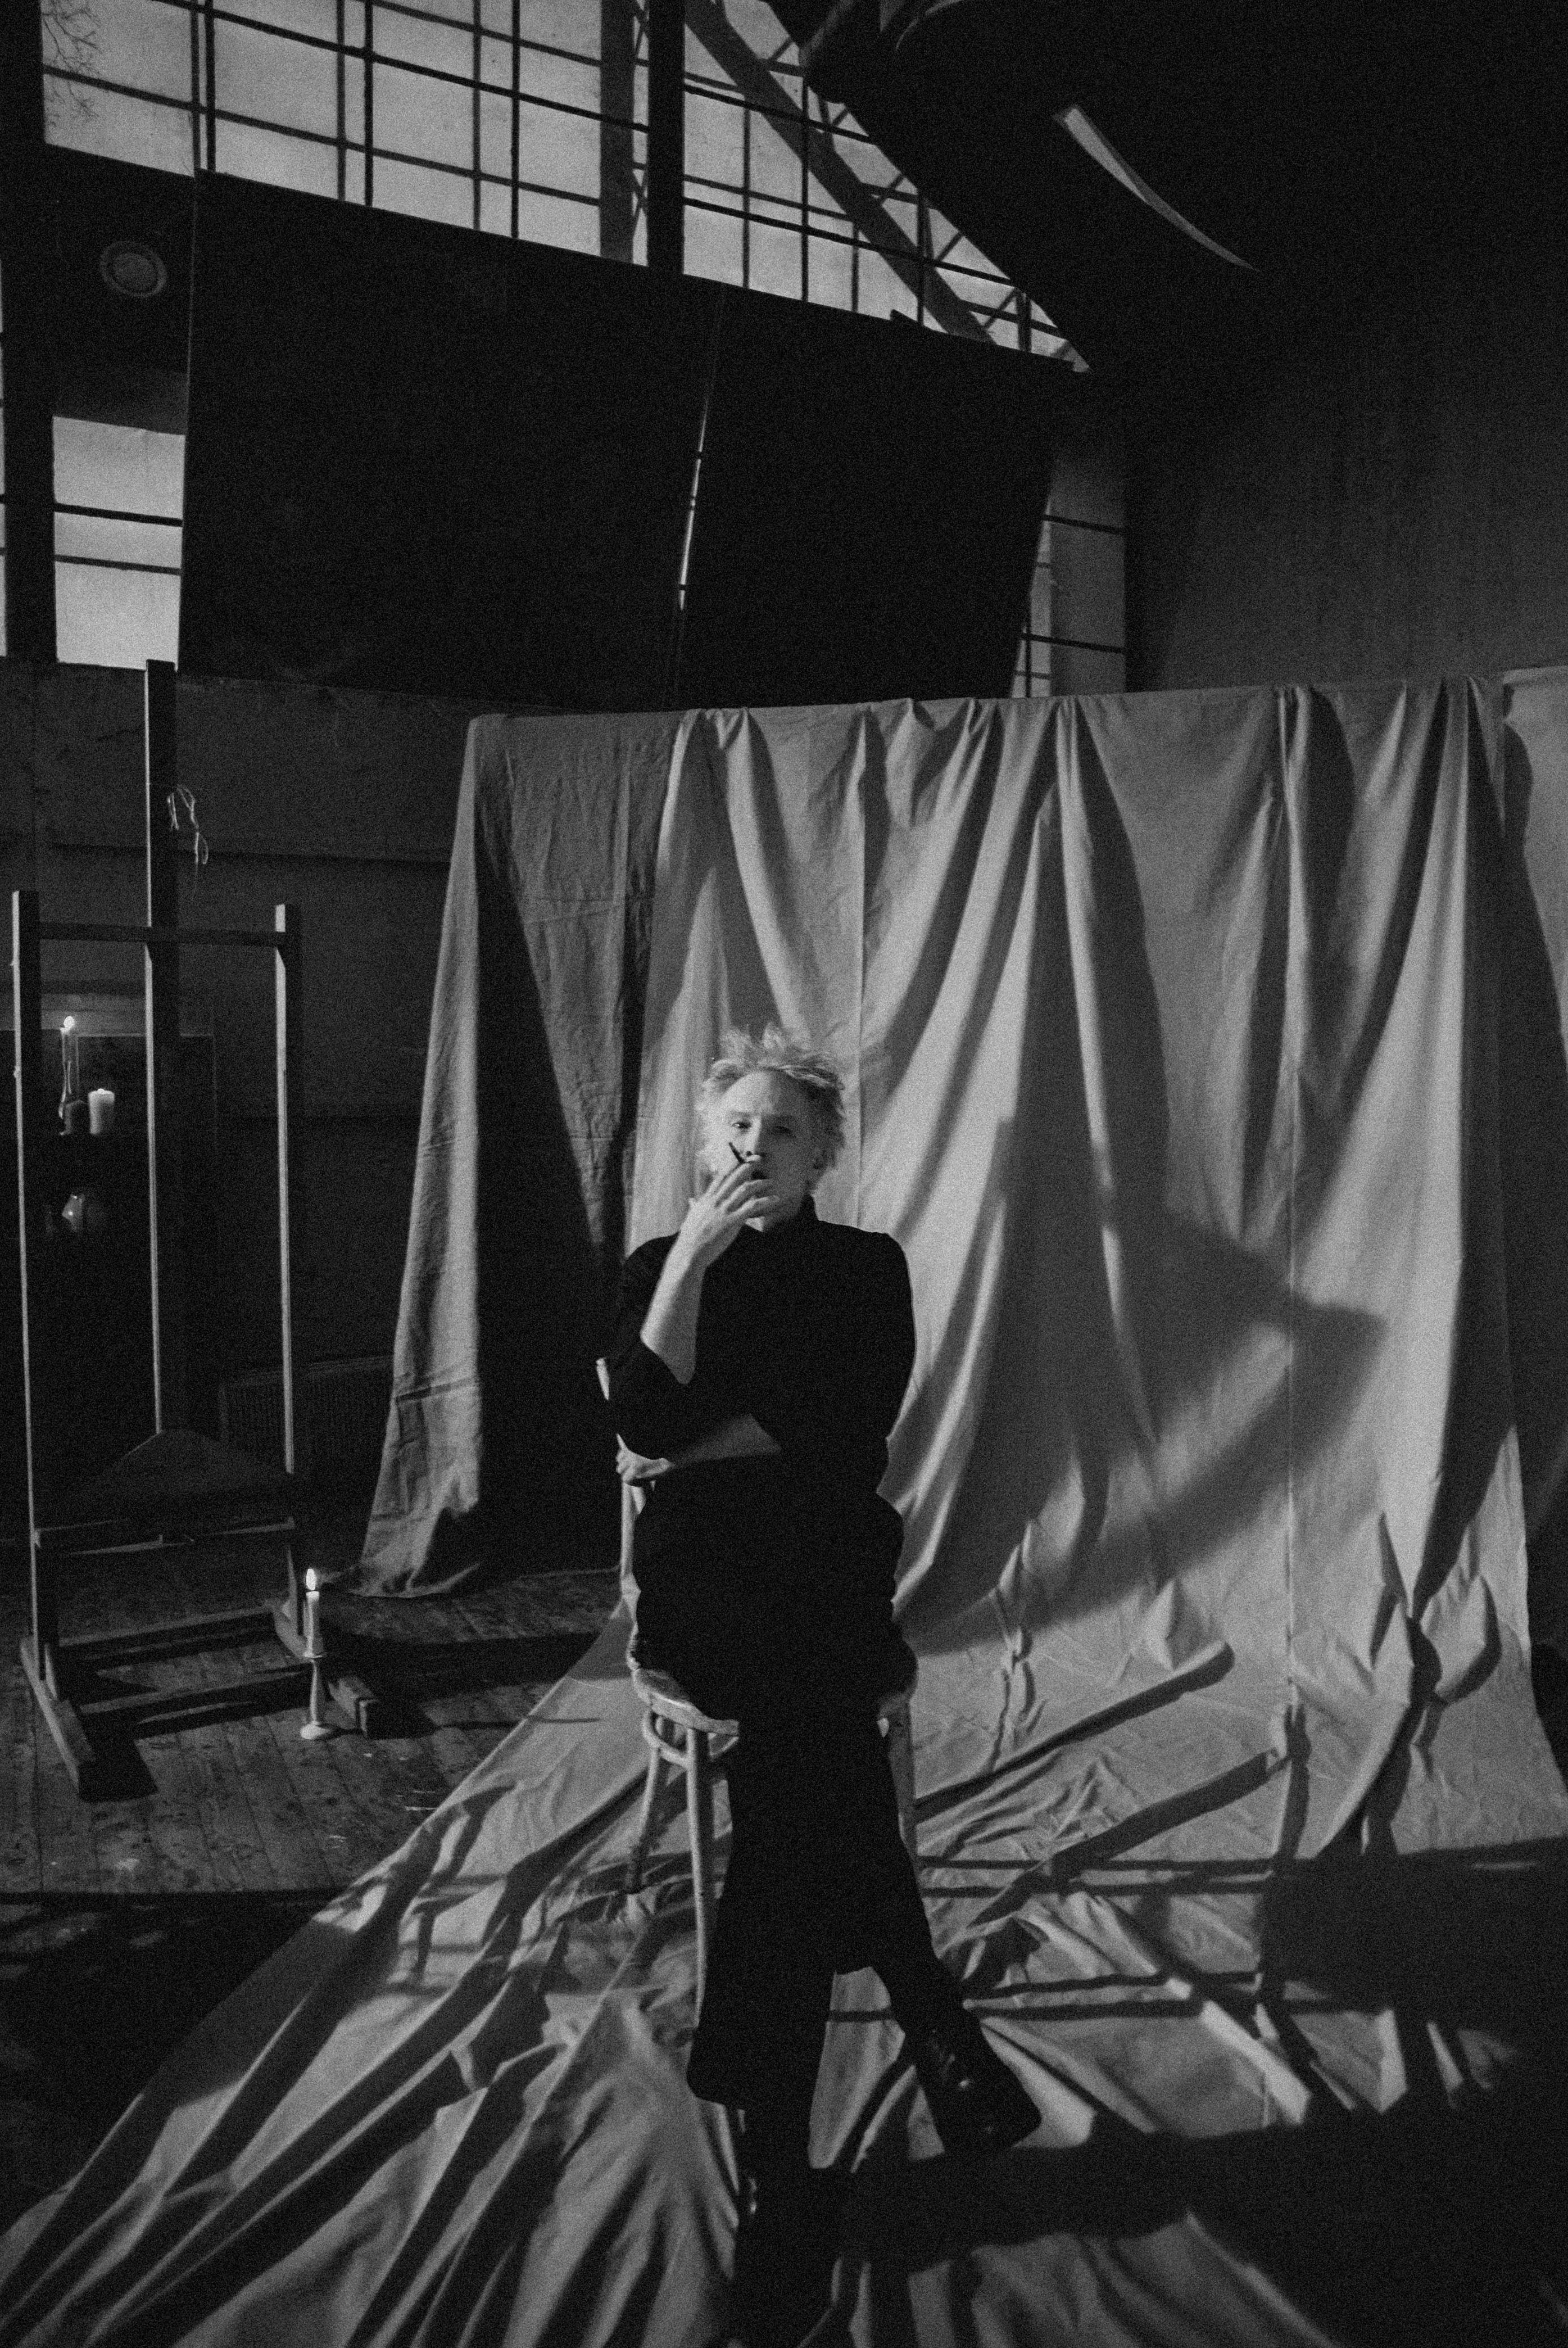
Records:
x=100, y=1109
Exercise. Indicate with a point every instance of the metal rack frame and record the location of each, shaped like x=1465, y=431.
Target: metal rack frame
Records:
x=177, y=1482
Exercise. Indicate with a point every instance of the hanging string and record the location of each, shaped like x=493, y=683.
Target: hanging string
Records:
x=181, y=796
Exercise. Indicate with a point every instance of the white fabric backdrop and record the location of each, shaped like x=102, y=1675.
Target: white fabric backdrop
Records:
x=1171, y=1021
x=1176, y=1029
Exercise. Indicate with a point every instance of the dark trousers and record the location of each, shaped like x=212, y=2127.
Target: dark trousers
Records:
x=818, y=1881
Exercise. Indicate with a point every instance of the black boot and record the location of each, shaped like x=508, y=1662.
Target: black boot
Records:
x=788, y=2240
x=979, y=2107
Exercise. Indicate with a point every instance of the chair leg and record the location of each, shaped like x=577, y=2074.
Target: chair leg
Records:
x=700, y=1821
x=901, y=1762
x=645, y=1821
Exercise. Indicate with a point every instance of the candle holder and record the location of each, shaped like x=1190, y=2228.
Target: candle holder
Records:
x=74, y=1114
x=85, y=1215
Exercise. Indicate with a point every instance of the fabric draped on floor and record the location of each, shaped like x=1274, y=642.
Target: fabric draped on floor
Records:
x=1206, y=1061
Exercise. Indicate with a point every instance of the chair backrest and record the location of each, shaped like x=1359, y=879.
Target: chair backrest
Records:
x=630, y=1498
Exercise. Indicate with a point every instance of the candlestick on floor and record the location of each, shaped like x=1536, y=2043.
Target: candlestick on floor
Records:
x=316, y=1723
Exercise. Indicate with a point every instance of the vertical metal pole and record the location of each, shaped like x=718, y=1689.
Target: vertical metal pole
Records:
x=667, y=137
x=516, y=109
x=340, y=64
x=617, y=105
x=211, y=38
x=478, y=77
x=27, y=1010
x=165, y=1182
x=369, y=101
x=195, y=87
x=289, y=1000
x=923, y=245
x=804, y=192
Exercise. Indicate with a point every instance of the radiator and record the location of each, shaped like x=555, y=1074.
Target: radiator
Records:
x=340, y=1417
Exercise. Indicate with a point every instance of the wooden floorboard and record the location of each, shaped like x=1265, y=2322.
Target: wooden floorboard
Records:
x=18, y=1811
x=124, y=1919
x=241, y=1786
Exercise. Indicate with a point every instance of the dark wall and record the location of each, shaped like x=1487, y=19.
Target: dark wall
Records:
x=339, y=801
x=1377, y=486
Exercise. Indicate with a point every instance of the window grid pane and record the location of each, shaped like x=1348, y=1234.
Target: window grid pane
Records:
x=1074, y=634
x=506, y=116
x=118, y=498
x=455, y=85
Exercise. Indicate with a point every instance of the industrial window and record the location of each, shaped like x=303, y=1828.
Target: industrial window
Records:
x=522, y=118
x=1074, y=636
x=117, y=542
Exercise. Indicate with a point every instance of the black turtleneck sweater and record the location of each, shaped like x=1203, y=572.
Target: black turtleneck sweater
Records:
x=808, y=1329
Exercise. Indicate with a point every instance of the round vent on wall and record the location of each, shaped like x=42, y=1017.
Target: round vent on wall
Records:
x=133, y=269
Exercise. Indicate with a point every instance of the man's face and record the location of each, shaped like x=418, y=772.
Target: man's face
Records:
x=768, y=1120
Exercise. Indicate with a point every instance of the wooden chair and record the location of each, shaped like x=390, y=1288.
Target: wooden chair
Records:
x=681, y=1736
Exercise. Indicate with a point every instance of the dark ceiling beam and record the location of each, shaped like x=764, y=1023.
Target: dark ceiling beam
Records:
x=1341, y=148
x=621, y=25
x=827, y=167
x=666, y=137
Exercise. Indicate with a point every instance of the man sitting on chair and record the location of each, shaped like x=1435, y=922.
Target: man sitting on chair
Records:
x=758, y=1362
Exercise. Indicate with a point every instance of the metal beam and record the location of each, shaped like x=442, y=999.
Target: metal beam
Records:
x=619, y=23
x=666, y=137
x=160, y=961
x=29, y=368
x=858, y=203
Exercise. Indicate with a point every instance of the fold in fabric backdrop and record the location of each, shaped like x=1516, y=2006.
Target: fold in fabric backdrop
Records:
x=1174, y=1025
x=518, y=1210
x=1204, y=1060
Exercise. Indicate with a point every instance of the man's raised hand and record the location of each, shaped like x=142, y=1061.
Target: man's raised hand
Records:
x=717, y=1216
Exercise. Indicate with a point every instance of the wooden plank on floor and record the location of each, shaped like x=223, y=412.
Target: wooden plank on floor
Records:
x=237, y=1856
x=126, y=1848
x=269, y=1821
x=174, y=1822
x=70, y=1860
x=552, y=1605
x=219, y=1809
x=285, y=1825
x=144, y=1846
x=354, y=1784
x=389, y=1783
x=507, y=1700
x=19, y=1874
x=456, y=1741
x=319, y=1792
x=260, y=1835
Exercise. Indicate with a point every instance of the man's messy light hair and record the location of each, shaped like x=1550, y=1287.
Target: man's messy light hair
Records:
x=778, y=1052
